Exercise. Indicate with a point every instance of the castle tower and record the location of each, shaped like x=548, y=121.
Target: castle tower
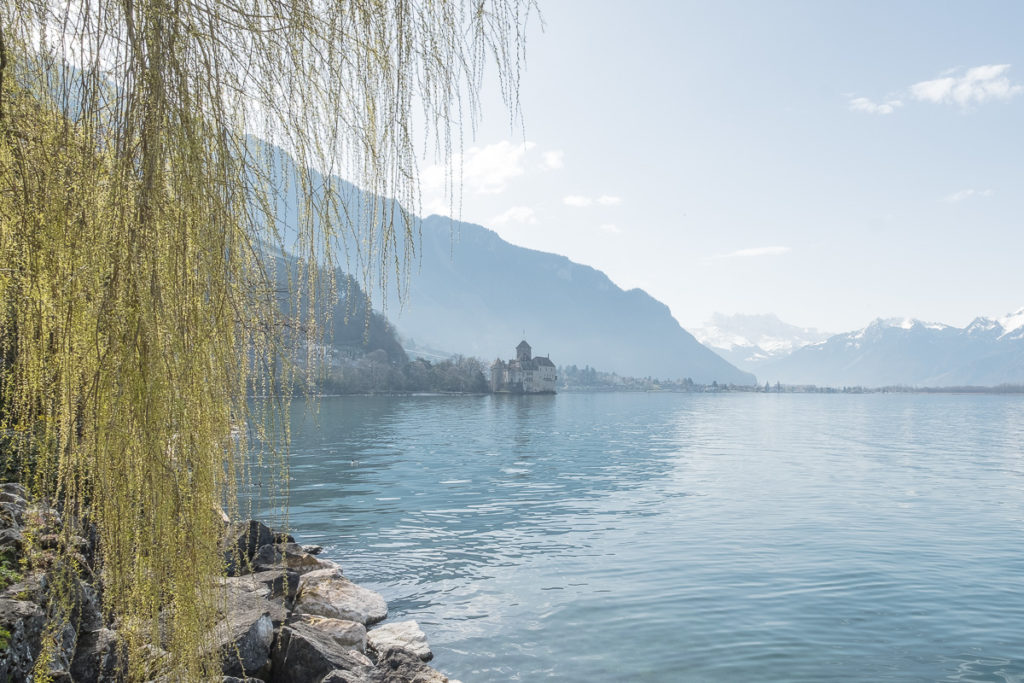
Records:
x=523, y=351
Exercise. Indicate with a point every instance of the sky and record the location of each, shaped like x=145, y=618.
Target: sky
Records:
x=828, y=162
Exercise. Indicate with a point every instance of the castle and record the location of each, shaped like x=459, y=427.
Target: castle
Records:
x=524, y=375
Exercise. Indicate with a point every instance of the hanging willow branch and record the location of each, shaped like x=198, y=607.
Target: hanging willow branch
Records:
x=137, y=304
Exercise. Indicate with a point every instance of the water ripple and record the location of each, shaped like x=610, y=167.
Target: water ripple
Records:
x=681, y=537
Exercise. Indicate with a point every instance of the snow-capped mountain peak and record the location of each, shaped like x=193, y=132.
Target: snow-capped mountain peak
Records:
x=907, y=351
x=1012, y=322
x=982, y=325
x=878, y=325
x=907, y=323
x=748, y=340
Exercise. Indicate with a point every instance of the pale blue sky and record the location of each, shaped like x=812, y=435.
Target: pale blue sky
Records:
x=801, y=158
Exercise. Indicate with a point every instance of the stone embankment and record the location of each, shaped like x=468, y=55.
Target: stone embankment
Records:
x=289, y=615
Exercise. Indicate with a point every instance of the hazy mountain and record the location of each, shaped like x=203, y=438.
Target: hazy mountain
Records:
x=472, y=293
x=988, y=352
x=355, y=328
x=749, y=341
x=476, y=294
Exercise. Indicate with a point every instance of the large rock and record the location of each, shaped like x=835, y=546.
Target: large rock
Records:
x=245, y=639
x=402, y=635
x=95, y=656
x=285, y=556
x=61, y=656
x=14, y=498
x=401, y=666
x=339, y=598
x=254, y=607
x=317, y=575
x=350, y=634
x=12, y=515
x=15, y=488
x=282, y=583
x=246, y=594
x=241, y=541
x=338, y=676
x=23, y=622
x=11, y=539
x=305, y=653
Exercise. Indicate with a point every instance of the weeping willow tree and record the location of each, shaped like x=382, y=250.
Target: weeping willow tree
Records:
x=137, y=307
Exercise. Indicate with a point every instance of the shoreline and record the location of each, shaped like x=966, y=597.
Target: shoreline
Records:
x=287, y=615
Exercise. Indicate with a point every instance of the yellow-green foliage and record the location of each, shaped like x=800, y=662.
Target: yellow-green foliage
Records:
x=136, y=314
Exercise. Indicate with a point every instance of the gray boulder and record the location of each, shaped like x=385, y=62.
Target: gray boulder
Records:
x=337, y=597
x=349, y=634
x=401, y=666
x=15, y=488
x=317, y=575
x=12, y=515
x=339, y=676
x=282, y=583
x=284, y=556
x=95, y=656
x=13, y=498
x=245, y=634
x=305, y=653
x=402, y=635
x=245, y=639
x=241, y=541
x=11, y=539
x=24, y=622
x=245, y=595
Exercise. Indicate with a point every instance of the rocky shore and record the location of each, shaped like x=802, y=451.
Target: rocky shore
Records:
x=289, y=615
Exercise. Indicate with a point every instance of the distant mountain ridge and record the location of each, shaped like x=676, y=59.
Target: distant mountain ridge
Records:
x=474, y=293
x=988, y=352
x=471, y=292
x=749, y=341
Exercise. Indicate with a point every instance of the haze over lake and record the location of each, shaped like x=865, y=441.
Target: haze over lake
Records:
x=667, y=537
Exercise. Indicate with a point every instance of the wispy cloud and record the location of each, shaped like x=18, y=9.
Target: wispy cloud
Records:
x=611, y=228
x=960, y=86
x=757, y=251
x=967, y=194
x=436, y=205
x=865, y=105
x=972, y=86
x=516, y=214
x=581, y=200
x=485, y=170
x=554, y=159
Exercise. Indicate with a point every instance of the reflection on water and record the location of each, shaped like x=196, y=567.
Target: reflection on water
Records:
x=681, y=537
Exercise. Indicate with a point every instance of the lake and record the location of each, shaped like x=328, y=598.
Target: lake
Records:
x=680, y=537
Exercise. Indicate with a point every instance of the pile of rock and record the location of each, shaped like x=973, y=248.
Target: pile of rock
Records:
x=288, y=616
x=293, y=616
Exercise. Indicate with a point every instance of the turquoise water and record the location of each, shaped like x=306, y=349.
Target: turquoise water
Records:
x=679, y=537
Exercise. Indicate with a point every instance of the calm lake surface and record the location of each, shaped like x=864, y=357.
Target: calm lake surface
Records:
x=679, y=537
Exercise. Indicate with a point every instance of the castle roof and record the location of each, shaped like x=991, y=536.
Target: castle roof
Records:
x=522, y=344
x=541, y=360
